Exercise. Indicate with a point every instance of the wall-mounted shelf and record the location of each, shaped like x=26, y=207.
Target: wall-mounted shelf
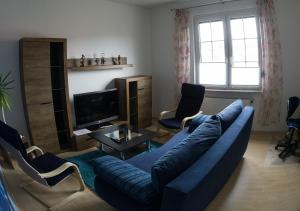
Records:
x=100, y=67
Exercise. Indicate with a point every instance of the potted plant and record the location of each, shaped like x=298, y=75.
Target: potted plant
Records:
x=5, y=85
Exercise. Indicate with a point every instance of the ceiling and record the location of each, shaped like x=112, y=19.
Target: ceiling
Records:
x=149, y=3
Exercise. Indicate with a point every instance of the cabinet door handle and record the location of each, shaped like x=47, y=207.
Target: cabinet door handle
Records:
x=141, y=88
x=46, y=103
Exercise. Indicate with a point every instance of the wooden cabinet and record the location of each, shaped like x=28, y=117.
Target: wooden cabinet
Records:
x=135, y=95
x=45, y=92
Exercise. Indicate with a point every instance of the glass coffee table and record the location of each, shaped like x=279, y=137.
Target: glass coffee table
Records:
x=122, y=138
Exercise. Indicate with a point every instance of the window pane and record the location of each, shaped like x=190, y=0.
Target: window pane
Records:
x=237, y=29
x=205, y=32
x=239, y=64
x=218, y=51
x=212, y=73
x=252, y=64
x=206, y=52
x=250, y=28
x=238, y=50
x=251, y=50
x=245, y=76
x=217, y=30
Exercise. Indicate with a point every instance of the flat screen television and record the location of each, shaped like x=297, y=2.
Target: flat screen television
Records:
x=94, y=108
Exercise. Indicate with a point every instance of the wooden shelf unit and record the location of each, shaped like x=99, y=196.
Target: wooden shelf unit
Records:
x=100, y=67
x=45, y=92
x=135, y=96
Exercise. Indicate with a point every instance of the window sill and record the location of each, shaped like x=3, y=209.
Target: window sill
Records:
x=233, y=91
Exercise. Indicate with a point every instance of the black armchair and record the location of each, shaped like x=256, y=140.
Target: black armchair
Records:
x=288, y=146
x=46, y=168
x=189, y=106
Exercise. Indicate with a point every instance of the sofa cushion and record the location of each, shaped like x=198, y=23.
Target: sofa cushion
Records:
x=145, y=161
x=180, y=157
x=198, y=120
x=127, y=178
x=230, y=113
x=172, y=123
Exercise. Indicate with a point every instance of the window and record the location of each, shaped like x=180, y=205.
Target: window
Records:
x=228, y=52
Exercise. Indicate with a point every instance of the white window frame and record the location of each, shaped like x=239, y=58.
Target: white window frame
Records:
x=226, y=17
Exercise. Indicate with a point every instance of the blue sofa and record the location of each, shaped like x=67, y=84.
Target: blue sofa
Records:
x=199, y=183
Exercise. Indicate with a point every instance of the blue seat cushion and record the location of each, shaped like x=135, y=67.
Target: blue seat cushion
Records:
x=230, y=113
x=294, y=123
x=49, y=162
x=180, y=157
x=127, y=178
x=171, y=123
x=198, y=120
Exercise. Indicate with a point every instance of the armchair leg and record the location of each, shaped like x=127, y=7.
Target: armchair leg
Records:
x=64, y=201
x=78, y=176
x=24, y=187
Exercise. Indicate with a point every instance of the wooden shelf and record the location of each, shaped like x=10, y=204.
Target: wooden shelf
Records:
x=100, y=67
x=135, y=97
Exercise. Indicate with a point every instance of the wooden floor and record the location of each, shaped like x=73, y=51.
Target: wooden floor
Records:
x=253, y=186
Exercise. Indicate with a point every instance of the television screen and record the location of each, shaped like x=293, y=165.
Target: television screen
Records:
x=96, y=107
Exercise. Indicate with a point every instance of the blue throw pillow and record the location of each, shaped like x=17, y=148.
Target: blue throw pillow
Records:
x=180, y=157
x=230, y=113
x=130, y=180
x=198, y=120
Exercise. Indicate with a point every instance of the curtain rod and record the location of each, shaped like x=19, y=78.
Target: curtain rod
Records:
x=206, y=4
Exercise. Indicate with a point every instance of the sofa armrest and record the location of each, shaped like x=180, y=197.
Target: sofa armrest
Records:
x=125, y=177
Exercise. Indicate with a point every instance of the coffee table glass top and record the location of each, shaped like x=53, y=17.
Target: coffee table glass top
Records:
x=122, y=134
x=122, y=137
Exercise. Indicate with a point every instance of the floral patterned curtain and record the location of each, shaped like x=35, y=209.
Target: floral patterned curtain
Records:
x=182, y=48
x=272, y=81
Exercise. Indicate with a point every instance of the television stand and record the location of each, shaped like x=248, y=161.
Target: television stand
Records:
x=99, y=126
x=83, y=141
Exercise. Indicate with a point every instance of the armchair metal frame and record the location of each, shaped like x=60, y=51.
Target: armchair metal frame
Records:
x=288, y=145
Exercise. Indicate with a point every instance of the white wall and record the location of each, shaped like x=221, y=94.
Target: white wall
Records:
x=90, y=26
x=163, y=54
x=95, y=26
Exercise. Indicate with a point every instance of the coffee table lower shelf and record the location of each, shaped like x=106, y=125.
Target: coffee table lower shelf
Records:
x=102, y=136
x=123, y=153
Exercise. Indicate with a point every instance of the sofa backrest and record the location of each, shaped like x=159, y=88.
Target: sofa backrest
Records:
x=200, y=183
x=230, y=113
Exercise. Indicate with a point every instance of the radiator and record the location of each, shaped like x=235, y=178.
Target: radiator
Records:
x=213, y=105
